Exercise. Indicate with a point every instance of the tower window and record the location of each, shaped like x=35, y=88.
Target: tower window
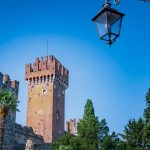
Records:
x=59, y=131
x=37, y=80
x=44, y=79
x=44, y=91
x=41, y=79
x=57, y=115
x=59, y=93
x=29, y=99
x=48, y=78
x=34, y=80
x=52, y=77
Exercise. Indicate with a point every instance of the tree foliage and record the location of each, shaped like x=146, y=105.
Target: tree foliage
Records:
x=89, y=128
x=134, y=132
x=103, y=131
x=66, y=142
x=147, y=120
x=147, y=109
x=94, y=135
x=8, y=101
x=113, y=142
x=88, y=133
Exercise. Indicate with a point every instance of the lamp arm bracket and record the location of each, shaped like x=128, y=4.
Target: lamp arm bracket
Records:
x=108, y=4
x=116, y=2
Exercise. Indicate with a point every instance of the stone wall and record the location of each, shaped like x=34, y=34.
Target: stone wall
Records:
x=19, y=146
x=23, y=133
x=71, y=126
x=9, y=132
x=10, y=119
x=36, y=147
x=1, y=79
x=42, y=147
x=16, y=136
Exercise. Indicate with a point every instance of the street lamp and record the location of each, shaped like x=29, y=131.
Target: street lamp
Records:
x=108, y=22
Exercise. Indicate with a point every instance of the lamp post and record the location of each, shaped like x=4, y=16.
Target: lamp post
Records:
x=108, y=22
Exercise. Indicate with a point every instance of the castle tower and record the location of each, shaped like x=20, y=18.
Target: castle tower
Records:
x=10, y=119
x=47, y=81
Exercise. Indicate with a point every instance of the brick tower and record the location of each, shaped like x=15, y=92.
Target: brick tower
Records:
x=47, y=81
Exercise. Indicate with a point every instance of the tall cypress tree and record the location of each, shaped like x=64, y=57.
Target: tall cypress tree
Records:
x=88, y=128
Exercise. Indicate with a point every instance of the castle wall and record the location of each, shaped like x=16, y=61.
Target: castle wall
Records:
x=1, y=79
x=42, y=147
x=23, y=133
x=47, y=80
x=16, y=136
x=10, y=119
x=36, y=147
x=9, y=133
x=71, y=126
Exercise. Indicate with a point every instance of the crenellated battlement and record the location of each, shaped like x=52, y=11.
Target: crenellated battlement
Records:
x=46, y=69
x=27, y=131
x=23, y=133
x=6, y=82
x=71, y=126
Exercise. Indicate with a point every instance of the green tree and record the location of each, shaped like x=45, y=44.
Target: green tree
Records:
x=147, y=135
x=67, y=142
x=62, y=147
x=103, y=131
x=89, y=128
x=8, y=103
x=147, y=109
x=133, y=134
x=113, y=142
x=147, y=120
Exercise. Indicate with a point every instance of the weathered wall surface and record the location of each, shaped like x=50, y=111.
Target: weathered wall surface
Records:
x=10, y=119
x=71, y=126
x=36, y=147
x=19, y=146
x=16, y=137
x=8, y=137
x=42, y=147
x=22, y=134
x=1, y=79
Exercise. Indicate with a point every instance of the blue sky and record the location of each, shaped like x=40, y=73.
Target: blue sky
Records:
x=115, y=78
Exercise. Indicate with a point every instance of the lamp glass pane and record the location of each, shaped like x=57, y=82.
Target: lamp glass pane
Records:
x=115, y=28
x=109, y=37
x=114, y=21
x=101, y=23
x=112, y=17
